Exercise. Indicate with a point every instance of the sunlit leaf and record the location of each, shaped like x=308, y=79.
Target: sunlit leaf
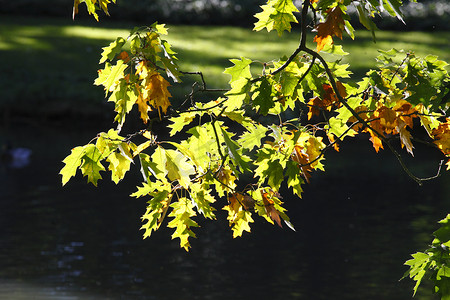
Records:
x=72, y=163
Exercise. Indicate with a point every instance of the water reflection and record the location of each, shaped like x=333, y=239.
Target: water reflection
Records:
x=356, y=225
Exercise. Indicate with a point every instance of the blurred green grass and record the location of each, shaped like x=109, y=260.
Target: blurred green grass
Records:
x=48, y=65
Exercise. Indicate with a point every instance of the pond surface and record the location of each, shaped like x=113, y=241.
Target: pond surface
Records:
x=356, y=225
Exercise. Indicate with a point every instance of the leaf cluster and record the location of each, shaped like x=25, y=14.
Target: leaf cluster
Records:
x=92, y=6
x=270, y=129
x=433, y=263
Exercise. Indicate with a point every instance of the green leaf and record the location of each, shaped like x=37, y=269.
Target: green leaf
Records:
x=265, y=18
x=148, y=167
x=239, y=117
x=124, y=98
x=169, y=62
x=289, y=82
x=157, y=206
x=119, y=164
x=393, y=7
x=278, y=15
x=364, y=19
x=178, y=123
x=238, y=93
x=270, y=165
x=262, y=97
x=418, y=278
x=202, y=144
x=91, y=165
x=334, y=49
x=108, y=142
x=241, y=223
x=234, y=152
x=112, y=50
x=337, y=127
x=159, y=159
x=420, y=87
x=252, y=137
x=110, y=75
x=186, y=152
x=182, y=222
x=143, y=191
x=72, y=163
x=443, y=233
x=202, y=199
x=241, y=69
x=178, y=168
x=274, y=174
x=294, y=179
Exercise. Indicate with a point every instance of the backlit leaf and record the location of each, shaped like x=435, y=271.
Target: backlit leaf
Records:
x=241, y=69
x=252, y=138
x=276, y=14
x=405, y=137
x=182, y=212
x=333, y=26
x=178, y=168
x=112, y=50
x=110, y=75
x=91, y=165
x=262, y=97
x=235, y=153
x=72, y=162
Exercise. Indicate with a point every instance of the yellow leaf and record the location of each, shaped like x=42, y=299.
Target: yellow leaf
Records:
x=376, y=141
x=158, y=94
x=143, y=107
x=142, y=147
x=153, y=90
x=442, y=137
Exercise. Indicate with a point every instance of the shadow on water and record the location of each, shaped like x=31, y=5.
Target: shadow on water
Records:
x=356, y=225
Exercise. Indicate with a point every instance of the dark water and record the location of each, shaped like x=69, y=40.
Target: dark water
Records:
x=356, y=225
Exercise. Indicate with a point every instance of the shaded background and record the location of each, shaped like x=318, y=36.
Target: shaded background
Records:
x=356, y=224
x=425, y=15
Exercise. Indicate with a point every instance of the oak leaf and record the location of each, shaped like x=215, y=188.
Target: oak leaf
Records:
x=442, y=137
x=333, y=25
x=387, y=118
x=158, y=93
x=405, y=136
x=303, y=160
x=270, y=208
x=238, y=218
x=376, y=141
x=406, y=112
x=72, y=163
x=143, y=106
x=329, y=101
x=152, y=91
x=226, y=181
x=182, y=213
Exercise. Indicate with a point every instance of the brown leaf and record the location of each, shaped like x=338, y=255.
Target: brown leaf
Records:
x=303, y=160
x=387, y=118
x=270, y=208
x=248, y=202
x=405, y=136
x=333, y=25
